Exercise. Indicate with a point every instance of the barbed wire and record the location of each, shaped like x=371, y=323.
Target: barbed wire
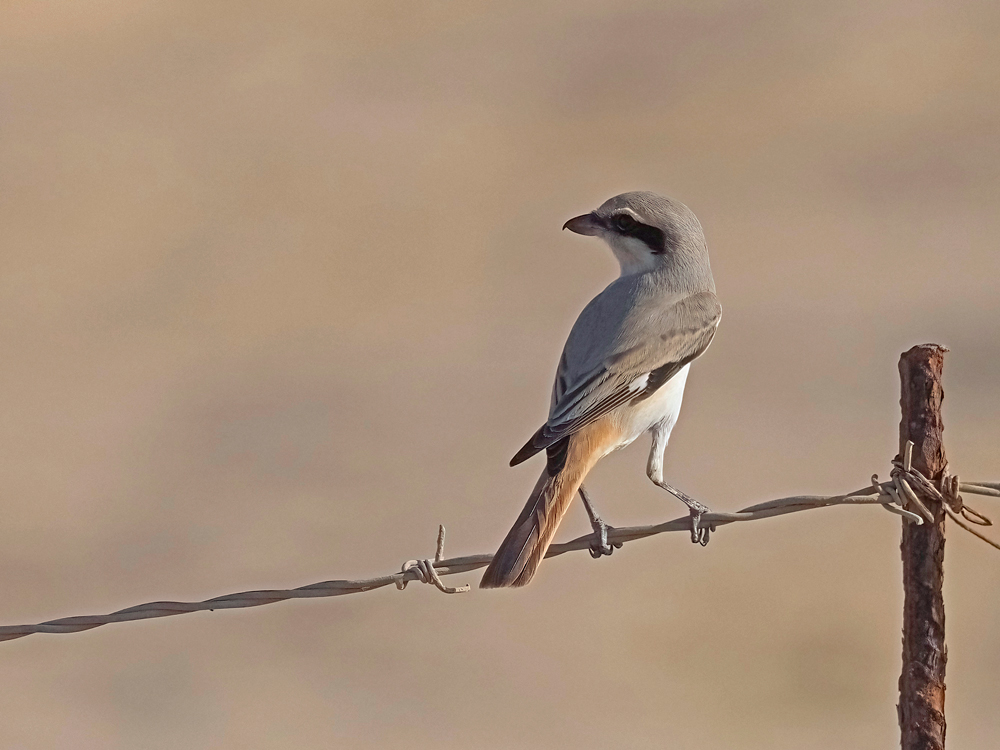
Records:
x=901, y=495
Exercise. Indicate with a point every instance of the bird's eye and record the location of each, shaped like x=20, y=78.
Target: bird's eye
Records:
x=625, y=223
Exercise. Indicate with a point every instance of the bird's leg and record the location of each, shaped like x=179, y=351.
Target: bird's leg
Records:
x=654, y=470
x=601, y=547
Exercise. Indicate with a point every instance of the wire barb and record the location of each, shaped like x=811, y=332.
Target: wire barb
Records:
x=426, y=571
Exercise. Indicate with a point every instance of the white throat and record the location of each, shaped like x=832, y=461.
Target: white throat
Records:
x=633, y=254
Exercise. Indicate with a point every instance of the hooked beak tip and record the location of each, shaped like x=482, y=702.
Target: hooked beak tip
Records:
x=588, y=224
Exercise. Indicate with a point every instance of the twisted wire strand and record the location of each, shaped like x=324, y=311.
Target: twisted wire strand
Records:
x=892, y=495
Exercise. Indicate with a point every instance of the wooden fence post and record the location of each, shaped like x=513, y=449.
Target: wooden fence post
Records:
x=921, y=683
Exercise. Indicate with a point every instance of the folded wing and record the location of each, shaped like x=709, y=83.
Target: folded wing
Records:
x=659, y=344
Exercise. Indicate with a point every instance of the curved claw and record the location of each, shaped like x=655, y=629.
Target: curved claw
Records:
x=703, y=535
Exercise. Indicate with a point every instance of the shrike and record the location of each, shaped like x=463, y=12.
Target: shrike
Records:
x=622, y=371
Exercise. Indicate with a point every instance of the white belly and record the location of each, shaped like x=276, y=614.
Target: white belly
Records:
x=662, y=408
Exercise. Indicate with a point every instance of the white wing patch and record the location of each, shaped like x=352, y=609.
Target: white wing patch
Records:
x=639, y=383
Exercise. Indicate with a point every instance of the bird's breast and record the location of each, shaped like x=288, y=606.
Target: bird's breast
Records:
x=660, y=408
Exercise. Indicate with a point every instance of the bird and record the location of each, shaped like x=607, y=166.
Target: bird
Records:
x=622, y=371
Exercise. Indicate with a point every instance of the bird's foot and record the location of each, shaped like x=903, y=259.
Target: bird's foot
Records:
x=601, y=546
x=699, y=531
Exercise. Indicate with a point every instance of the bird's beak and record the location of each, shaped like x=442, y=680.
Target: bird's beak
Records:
x=589, y=224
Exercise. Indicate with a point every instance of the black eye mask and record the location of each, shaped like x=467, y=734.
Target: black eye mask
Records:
x=654, y=238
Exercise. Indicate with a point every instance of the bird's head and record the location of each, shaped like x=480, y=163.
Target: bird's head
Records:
x=646, y=231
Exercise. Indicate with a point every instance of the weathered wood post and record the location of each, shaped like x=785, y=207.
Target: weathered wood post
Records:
x=921, y=683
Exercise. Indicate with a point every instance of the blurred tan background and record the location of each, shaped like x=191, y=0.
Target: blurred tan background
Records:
x=283, y=288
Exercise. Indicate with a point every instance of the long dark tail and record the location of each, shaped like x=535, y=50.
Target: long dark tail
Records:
x=522, y=550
